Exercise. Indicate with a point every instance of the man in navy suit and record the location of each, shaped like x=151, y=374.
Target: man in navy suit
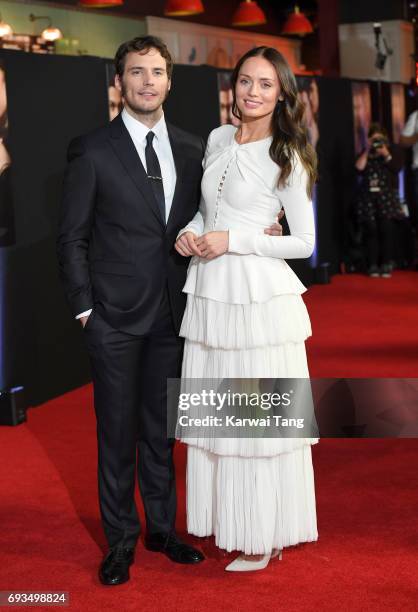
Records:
x=129, y=188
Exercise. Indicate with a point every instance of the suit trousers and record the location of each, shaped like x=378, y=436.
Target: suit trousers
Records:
x=130, y=399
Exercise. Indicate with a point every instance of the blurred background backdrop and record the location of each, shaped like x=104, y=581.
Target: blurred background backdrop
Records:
x=355, y=63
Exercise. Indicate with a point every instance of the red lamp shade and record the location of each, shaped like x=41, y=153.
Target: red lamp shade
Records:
x=248, y=13
x=100, y=3
x=297, y=24
x=182, y=8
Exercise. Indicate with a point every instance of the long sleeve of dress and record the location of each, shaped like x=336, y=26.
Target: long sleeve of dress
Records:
x=300, y=217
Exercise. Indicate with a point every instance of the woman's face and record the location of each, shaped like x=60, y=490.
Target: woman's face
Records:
x=257, y=89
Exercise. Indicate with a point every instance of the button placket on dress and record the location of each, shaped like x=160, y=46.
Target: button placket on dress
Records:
x=219, y=193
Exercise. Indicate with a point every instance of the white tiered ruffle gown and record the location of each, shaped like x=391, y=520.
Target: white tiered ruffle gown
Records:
x=245, y=318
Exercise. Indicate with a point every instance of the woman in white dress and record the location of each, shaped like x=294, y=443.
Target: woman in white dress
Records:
x=245, y=317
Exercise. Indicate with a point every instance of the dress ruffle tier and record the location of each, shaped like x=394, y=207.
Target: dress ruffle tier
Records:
x=245, y=341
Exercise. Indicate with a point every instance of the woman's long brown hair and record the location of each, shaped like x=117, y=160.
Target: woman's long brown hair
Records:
x=288, y=130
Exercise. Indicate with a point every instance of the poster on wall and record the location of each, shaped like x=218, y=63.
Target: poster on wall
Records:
x=397, y=95
x=226, y=99
x=362, y=113
x=114, y=96
x=397, y=100
x=309, y=95
x=6, y=200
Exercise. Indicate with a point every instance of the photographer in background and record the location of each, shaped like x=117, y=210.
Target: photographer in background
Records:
x=378, y=202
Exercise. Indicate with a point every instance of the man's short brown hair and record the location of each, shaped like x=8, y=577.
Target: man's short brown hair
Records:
x=142, y=44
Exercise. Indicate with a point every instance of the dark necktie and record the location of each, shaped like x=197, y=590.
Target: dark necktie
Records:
x=154, y=174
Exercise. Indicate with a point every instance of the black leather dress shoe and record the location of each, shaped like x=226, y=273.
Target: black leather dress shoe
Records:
x=114, y=568
x=174, y=548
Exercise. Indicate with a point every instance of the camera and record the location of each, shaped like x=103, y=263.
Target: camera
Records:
x=378, y=142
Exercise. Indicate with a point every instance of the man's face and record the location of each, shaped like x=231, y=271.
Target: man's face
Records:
x=144, y=84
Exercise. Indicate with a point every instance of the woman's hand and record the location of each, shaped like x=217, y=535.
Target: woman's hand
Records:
x=276, y=229
x=186, y=245
x=213, y=244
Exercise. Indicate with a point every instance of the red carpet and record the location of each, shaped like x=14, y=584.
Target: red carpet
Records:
x=367, y=491
x=364, y=327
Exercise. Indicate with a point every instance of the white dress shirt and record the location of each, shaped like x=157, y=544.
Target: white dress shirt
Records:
x=240, y=195
x=410, y=129
x=138, y=132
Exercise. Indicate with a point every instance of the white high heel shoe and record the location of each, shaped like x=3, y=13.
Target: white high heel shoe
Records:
x=240, y=564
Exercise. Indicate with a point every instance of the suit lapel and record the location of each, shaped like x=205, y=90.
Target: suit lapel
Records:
x=125, y=149
x=179, y=160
